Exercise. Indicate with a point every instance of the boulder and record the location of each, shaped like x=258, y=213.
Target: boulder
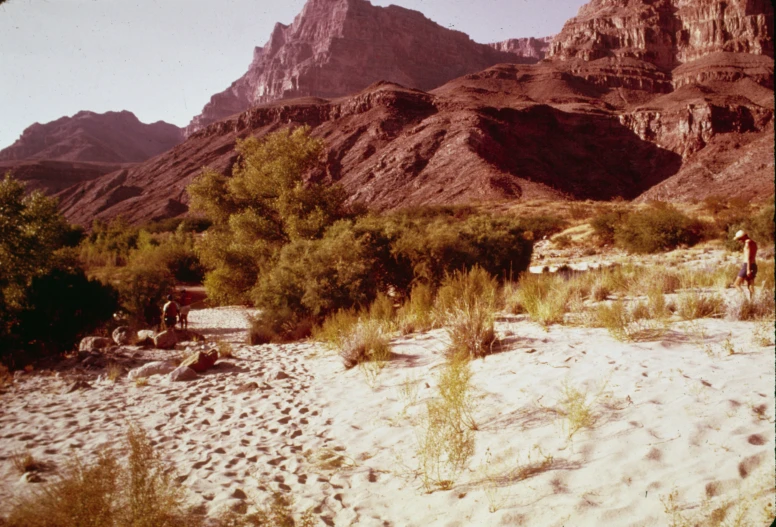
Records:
x=145, y=337
x=94, y=343
x=151, y=368
x=201, y=361
x=124, y=336
x=183, y=373
x=166, y=340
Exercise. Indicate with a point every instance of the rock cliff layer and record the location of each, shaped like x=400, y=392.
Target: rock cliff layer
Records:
x=535, y=48
x=338, y=47
x=666, y=33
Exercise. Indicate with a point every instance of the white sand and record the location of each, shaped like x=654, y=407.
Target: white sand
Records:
x=670, y=417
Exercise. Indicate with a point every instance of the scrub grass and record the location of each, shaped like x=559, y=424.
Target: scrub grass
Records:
x=446, y=434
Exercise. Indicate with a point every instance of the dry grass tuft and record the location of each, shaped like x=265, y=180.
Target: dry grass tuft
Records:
x=367, y=341
x=761, y=307
x=225, y=349
x=137, y=493
x=446, y=437
x=114, y=371
x=694, y=304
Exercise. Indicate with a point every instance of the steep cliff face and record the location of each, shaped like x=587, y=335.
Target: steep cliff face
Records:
x=534, y=48
x=666, y=33
x=112, y=137
x=338, y=47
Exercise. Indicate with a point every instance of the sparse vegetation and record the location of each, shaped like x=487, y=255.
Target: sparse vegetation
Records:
x=446, y=435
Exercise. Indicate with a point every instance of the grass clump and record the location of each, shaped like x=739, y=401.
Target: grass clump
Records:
x=695, y=304
x=108, y=493
x=760, y=307
x=466, y=305
x=642, y=322
x=544, y=297
x=417, y=314
x=366, y=341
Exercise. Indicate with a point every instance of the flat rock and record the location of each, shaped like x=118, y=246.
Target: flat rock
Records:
x=124, y=336
x=94, y=343
x=201, y=361
x=151, y=368
x=166, y=340
x=183, y=373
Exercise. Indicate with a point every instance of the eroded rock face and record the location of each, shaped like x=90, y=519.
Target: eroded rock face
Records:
x=535, y=48
x=338, y=47
x=666, y=33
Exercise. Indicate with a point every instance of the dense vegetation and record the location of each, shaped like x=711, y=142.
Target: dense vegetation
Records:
x=46, y=301
x=291, y=247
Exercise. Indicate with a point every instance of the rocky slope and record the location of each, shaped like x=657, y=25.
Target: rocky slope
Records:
x=53, y=156
x=613, y=111
x=338, y=47
x=111, y=137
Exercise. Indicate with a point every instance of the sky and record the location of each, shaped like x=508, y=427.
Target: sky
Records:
x=164, y=59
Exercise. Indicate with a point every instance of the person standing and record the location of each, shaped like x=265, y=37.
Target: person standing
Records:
x=748, y=270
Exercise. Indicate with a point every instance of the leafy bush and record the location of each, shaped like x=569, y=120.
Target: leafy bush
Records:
x=46, y=302
x=108, y=244
x=142, y=291
x=658, y=228
x=265, y=205
x=174, y=253
x=60, y=308
x=759, y=226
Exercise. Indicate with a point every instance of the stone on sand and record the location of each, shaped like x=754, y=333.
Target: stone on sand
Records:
x=183, y=373
x=94, y=343
x=151, y=368
x=201, y=361
x=166, y=340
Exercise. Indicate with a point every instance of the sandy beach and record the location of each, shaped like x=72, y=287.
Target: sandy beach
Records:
x=679, y=426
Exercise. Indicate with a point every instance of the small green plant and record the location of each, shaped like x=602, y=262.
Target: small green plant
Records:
x=141, y=381
x=763, y=334
x=446, y=435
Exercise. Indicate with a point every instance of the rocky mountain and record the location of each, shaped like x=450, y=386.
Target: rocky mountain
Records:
x=70, y=150
x=338, y=47
x=614, y=110
x=111, y=137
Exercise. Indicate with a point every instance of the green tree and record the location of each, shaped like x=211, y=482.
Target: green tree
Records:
x=266, y=204
x=46, y=301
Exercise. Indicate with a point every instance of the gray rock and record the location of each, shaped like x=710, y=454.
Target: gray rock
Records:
x=30, y=477
x=166, y=340
x=183, y=373
x=124, y=336
x=151, y=368
x=145, y=337
x=94, y=343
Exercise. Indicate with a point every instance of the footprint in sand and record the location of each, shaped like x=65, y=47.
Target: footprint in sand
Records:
x=756, y=439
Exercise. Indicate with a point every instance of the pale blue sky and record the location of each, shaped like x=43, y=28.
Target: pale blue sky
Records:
x=163, y=59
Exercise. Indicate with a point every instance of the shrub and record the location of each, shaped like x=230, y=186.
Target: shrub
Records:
x=466, y=306
x=59, y=308
x=174, y=253
x=108, y=244
x=604, y=224
x=658, y=228
x=762, y=306
x=335, y=327
x=417, y=312
x=142, y=291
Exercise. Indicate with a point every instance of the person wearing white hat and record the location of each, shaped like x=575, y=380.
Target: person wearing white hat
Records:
x=748, y=271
